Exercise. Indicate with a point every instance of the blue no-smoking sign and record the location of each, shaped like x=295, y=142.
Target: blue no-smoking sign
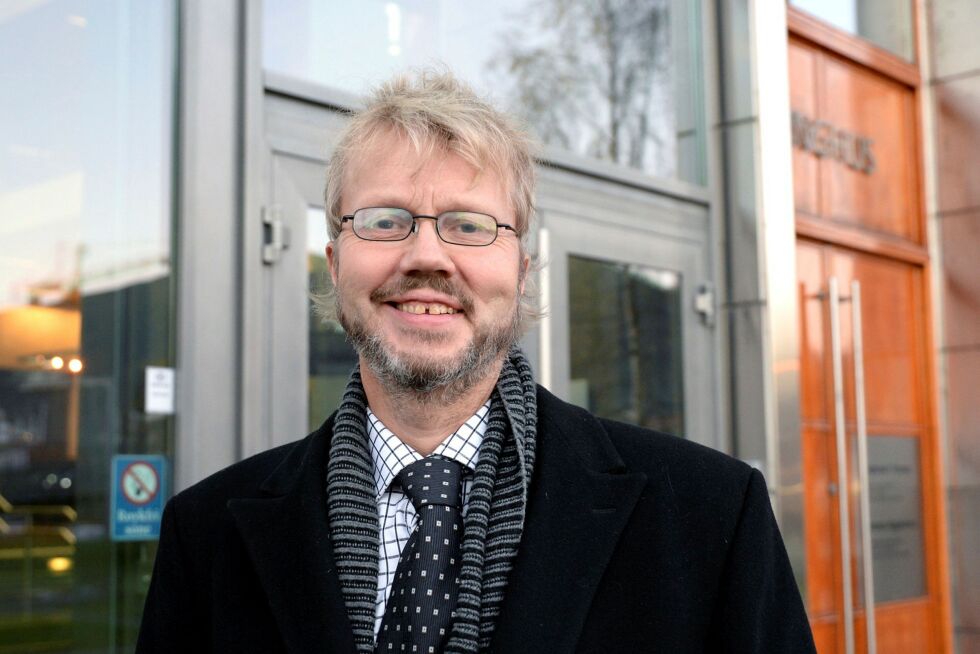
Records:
x=138, y=496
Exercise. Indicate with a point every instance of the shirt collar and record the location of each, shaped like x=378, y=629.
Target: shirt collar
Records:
x=389, y=454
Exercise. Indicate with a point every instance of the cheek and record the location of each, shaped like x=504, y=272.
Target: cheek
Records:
x=500, y=282
x=347, y=279
x=360, y=267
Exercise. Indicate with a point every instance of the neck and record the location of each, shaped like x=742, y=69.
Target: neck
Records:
x=423, y=421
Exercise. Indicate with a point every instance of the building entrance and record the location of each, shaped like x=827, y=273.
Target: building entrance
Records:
x=626, y=286
x=873, y=510
x=867, y=454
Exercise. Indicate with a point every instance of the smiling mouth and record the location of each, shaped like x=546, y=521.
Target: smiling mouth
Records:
x=430, y=308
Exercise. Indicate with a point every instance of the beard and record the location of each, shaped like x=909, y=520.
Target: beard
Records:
x=418, y=375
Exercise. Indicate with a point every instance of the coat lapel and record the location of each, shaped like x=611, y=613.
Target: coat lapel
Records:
x=581, y=497
x=287, y=536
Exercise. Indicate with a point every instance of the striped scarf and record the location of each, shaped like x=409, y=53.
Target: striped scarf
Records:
x=494, y=518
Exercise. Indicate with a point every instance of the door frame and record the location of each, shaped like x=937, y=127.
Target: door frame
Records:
x=620, y=225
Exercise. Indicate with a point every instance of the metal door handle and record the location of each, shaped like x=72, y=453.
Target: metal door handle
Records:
x=867, y=566
x=276, y=235
x=842, y=480
x=843, y=497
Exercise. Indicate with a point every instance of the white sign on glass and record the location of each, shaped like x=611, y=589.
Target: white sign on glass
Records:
x=159, y=397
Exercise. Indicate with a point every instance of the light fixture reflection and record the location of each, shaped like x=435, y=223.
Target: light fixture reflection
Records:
x=75, y=365
x=58, y=564
x=57, y=363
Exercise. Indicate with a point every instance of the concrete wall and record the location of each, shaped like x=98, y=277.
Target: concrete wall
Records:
x=953, y=121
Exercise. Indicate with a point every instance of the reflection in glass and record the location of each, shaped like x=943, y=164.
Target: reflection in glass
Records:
x=331, y=357
x=625, y=336
x=85, y=306
x=886, y=23
x=614, y=80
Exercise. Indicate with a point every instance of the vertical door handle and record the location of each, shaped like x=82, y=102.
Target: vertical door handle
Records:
x=843, y=494
x=867, y=566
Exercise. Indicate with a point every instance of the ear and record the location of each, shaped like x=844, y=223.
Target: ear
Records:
x=332, y=260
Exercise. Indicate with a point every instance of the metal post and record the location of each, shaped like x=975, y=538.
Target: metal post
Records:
x=843, y=493
x=867, y=564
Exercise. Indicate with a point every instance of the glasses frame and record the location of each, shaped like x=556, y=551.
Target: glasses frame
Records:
x=415, y=226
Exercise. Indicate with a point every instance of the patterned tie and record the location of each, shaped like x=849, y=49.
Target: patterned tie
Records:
x=423, y=594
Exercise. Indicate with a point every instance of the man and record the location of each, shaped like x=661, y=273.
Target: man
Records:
x=450, y=504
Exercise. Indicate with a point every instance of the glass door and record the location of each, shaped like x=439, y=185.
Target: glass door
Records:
x=629, y=333
x=87, y=306
x=626, y=341
x=301, y=361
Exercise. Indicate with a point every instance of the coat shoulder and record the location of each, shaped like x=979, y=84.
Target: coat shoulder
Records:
x=252, y=477
x=684, y=465
x=646, y=447
x=699, y=558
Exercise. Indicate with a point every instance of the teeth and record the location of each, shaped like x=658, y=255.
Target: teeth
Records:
x=420, y=308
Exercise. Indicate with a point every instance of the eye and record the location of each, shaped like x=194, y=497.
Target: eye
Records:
x=467, y=228
x=382, y=223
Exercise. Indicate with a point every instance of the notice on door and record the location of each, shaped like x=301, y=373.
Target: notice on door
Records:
x=159, y=383
x=138, y=494
x=896, y=517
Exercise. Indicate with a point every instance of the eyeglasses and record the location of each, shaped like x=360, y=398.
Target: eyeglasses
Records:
x=456, y=227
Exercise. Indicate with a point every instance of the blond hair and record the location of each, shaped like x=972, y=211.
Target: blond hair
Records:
x=435, y=110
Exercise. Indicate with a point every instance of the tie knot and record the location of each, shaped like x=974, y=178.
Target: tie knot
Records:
x=432, y=480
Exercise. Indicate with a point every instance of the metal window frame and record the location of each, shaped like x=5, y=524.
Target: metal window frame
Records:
x=209, y=181
x=291, y=87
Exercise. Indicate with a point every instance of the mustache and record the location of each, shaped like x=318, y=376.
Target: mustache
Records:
x=430, y=281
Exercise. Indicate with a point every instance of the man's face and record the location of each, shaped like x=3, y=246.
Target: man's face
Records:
x=425, y=314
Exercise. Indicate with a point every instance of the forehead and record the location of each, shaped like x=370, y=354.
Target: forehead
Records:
x=390, y=168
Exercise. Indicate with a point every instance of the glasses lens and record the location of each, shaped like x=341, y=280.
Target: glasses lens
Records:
x=382, y=224
x=467, y=228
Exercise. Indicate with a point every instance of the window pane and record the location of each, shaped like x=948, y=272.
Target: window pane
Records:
x=618, y=81
x=886, y=23
x=625, y=334
x=331, y=358
x=85, y=306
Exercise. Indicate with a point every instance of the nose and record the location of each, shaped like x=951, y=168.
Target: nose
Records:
x=425, y=251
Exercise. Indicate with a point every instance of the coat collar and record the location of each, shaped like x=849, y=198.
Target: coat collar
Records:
x=287, y=536
x=581, y=497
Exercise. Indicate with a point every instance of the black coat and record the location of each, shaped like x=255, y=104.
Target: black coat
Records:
x=634, y=542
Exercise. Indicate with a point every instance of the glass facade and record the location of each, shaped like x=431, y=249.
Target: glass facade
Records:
x=626, y=342
x=86, y=304
x=87, y=261
x=618, y=81
x=331, y=357
x=886, y=23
